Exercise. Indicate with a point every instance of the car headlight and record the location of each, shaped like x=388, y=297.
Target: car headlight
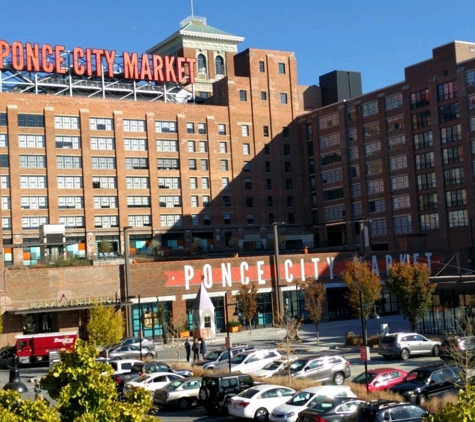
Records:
x=289, y=415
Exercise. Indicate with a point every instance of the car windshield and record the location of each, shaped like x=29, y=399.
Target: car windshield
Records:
x=389, y=339
x=321, y=406
x=298, y=365
x=212, y=356
x=238, y=359
x=361, y=378
x=272, y=365
x=300, y=399
x=175, y=384
x=247, y=394
x=418, y=377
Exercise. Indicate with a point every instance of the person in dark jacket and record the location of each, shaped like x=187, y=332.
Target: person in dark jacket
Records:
x=196, y=350
x=202, y=347
x=188, y=350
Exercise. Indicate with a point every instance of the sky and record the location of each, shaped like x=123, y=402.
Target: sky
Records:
x=378, y=38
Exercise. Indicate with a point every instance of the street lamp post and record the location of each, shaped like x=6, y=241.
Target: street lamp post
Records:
x=128, y=309
x=277, y=267
x=228, y=338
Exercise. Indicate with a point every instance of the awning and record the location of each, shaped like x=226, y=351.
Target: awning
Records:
x=62, y=308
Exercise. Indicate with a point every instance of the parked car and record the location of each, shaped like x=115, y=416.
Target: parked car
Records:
x=151, y=382
x=136, y=341
x=220, y=356
x=385, y=410
x=250, y=361
x=288, y=412
x=428, y=381
x=458, y=350
x=272, y=368
x=129, y=352
x=319, y=368
x=182, y=393
x=337, y=409
x=217, y=389
x=258, y=401
x=381, y=378
x=405, y=345
x=122, y=366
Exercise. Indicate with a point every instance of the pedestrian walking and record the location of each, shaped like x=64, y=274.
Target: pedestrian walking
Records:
x=188, y=350
x=202, y=347
x=196, y=350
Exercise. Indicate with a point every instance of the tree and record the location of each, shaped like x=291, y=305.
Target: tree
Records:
x=85, y=391
x=358, y=276
x=247, y=301
x=14, y=409
x=411, y=285
x=463, y=410
x=156, y=246
x=314, y=296
x=105, y=327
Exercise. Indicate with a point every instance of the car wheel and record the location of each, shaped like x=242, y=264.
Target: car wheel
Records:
x=261, y=415
x=435, y=351
x=149, y=355
x=183, y=404
x=405, y=354
x=421, y=399
x=204, y=394
x=338, y=378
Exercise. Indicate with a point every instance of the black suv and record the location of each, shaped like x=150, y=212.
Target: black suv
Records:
x=217, y=389
x=385, y=410
x=428, y=381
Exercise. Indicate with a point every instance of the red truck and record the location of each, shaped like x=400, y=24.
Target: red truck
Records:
x=31, y=348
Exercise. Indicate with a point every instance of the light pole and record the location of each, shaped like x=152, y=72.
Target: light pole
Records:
x=277, y=267
x=228, y=338
x=128, y=309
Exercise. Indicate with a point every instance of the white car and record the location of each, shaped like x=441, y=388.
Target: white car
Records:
x=250, y=361
x=289, y=411
x=123, y=366
x=151, y=381
x=271, y=368
x=258, y=402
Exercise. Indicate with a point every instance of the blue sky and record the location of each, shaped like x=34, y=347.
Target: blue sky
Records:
x=375, y=37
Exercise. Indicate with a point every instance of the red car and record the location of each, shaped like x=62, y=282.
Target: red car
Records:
x=381, y=378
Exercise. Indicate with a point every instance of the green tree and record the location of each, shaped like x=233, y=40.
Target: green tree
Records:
x=85, y=391
x=247, y=301
x=358, y=276
x=314, y=296
x=463, y=410
x=411, y=285
x=105, y=327
x=14, y=409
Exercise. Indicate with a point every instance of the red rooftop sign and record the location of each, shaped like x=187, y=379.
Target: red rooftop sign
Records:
x=95, y=62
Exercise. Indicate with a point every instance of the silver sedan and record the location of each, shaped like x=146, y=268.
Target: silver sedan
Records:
x=130, y=352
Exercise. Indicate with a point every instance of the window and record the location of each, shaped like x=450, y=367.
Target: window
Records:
x=357, y=208
x=420, y=120
x=399, y=182
x=139, y=201
x=377, y=205
x=429, y=221
x=104, y=182
x=226, y=201
x=27, y=182
x=103, y=163
x=352, y=134
x=263, y=96
x=265, y=131
x=75, y=202
x=267, y=167
x=375, y=186
x=105, y=202
x=332, y=194
x=103, y=144
x=458, y=218
x=247, y=184
x=268, y=184
x=68, y=162
x=135, y=144
x=286, y=149
x=427, y=202
x=193, y=201
x=34, y=202
x=423, y=140
x=249, y=201
x=32, y=223
x=191, y=146
x=242, y=95
x=378, y=227
x=398, y=163
x=266, y=149
x=168, y=164
x=283, y=98
x=420, y=99
x=137, y=182
x=72, y=222
x=31, y=120
x=69, y=182
x=3, y=140
x=134, y=125
x=401, y=202
x=270, y=201
x=452, y=155
x=374, y=167
x=203, y=146
x=393, y=101
x=334, y=213
x=282, y=68
x=191, y=164
x=170, y=220
x=424, y=161
x=100, y=124
x=4, y=162
x=227, y=218
x=133, y=163
x=169, y=183
x=201, y=64
x=326, y=122
x=288, y=167
x=395, y=123
x=68, y=142
x=332, y=158
x=167, y=146
x=225, y=182
x=402, y=224
x=447, y=91
x=32, y=161
x=262, y=67
x=31, y=141
x=471, y=102
x=204, y=183
x=288, y=184
x=195, y=220
x=206, y=201
x=250, y=218
x=245, y=130
x=223, y=147
x=190, y=128
x=355, y=171
x=454, y=176
x=471, y=123
x=3, y=119
x=285, y=132
x=355, y=190
x=106, y=221
x=246, y=149
x=371, y=129
x=66, y=122
x=202, y=128
x=353, y=153
x=329, y=140
x=221, y=129
x=5, y=181
x=449, y=112
x=426, y=181
x=6, y=223
x=309, y=131
x=470, y=78
x=165, y=127
x=6, y=203
x=224, y=165
x=456, y=198
x=369, y=109
x=219, y=64
x=451, y=133
x=139, y=220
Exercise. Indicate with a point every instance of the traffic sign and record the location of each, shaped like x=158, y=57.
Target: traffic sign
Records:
x=365, y=353
x=228, y=342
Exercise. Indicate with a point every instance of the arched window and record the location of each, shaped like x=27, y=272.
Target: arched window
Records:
x=201, y=63
x=219, y=65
